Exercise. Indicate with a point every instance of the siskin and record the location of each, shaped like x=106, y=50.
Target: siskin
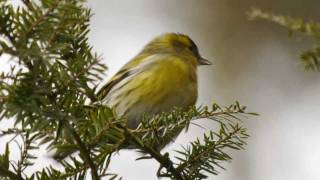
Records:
x=161, y=77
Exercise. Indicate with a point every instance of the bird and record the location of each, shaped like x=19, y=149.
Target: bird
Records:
x=161, y=77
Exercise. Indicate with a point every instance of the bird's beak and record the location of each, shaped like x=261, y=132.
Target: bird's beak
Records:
x=203, y=61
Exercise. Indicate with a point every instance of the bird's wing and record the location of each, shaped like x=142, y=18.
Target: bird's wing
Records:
x=132, y=67
x=115, y=80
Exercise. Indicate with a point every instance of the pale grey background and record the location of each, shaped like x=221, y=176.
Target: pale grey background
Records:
x=254, y=62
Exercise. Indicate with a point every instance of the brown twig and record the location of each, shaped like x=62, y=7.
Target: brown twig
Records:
x=84, y=152
x=163, y=160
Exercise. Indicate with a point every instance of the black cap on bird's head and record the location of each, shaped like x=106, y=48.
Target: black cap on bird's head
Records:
x=176, y=42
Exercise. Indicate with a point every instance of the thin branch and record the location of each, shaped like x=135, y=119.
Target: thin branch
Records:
x=185, y=121
x=85, y=152
x=163, y=160
x=208, y=150
x=23, y=154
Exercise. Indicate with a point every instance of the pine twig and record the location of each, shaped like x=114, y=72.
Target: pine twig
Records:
x=163, y=160
x=85, y=152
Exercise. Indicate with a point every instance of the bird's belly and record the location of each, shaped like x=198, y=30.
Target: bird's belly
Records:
x=159, y=100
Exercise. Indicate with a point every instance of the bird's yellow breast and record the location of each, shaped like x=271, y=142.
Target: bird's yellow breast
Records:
x=169, y=79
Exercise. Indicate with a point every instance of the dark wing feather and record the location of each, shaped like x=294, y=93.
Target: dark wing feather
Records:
x=103, y=92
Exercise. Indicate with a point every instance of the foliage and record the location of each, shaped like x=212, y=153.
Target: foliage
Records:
x=309, y=58
x=49, y=94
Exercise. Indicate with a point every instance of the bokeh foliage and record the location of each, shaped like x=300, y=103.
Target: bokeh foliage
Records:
x=49, y=93
x=309, y=58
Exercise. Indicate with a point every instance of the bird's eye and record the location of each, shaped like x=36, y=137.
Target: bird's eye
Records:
x=194, y=50
x=193, y=47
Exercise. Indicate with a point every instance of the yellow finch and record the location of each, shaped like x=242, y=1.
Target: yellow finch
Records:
x=162, y=76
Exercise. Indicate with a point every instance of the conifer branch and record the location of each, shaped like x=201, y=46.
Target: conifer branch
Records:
x=84, y=152
x=163, y=160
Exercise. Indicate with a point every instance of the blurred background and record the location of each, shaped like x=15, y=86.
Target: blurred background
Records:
x=254, y=62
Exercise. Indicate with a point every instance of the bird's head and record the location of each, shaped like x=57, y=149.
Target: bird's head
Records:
x=175, y=43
